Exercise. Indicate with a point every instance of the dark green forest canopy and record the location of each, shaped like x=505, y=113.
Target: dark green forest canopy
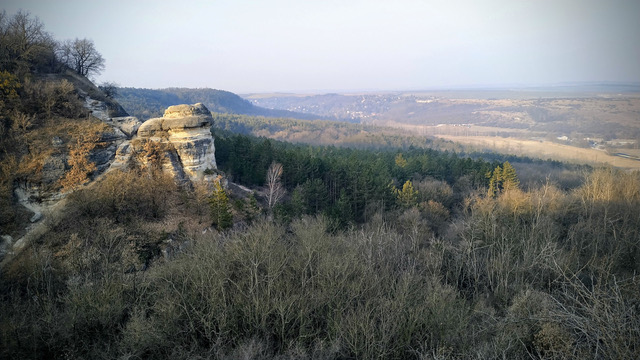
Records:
x=342, y=182
x=377, y=138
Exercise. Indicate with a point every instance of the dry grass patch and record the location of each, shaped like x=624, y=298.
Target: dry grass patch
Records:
x=543, y=150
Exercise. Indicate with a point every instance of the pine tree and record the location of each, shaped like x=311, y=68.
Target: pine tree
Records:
x=408, y=196
x=509, y=177
x=298, y=202
x=343, y=212
x=251, y=209
x=502, y=178
x=401, y=162
x=220, y=210
x=495, y=181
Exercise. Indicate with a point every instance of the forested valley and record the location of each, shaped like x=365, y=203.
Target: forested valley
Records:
x=368, y=253
x=379, y=245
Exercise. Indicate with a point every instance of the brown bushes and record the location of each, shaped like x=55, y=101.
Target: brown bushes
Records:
x=127, y=195
x=541, y=274
x=358, y=291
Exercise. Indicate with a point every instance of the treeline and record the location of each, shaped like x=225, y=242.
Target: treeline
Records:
x=328, y=132
x=149, y=103
x=533, y=172
x=345, y=184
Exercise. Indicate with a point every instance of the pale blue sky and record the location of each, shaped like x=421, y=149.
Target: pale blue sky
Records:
x=326, y=45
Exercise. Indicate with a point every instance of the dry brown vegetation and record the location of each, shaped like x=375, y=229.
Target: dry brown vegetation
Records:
x=543, y=150
x=528, y=274
x=37, y=131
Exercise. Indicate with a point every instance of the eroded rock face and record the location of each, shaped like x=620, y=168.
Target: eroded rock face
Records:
x=127, y=124
x=186, y=129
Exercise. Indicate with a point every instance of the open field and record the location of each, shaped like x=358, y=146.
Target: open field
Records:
x=520, y=142
x=464, y=130
x=543, y=150
x=632, y=152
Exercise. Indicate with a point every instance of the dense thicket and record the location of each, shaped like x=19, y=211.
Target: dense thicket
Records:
x=542, y=274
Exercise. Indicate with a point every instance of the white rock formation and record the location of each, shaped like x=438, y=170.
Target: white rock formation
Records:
x=127, y=124
x=186, y=128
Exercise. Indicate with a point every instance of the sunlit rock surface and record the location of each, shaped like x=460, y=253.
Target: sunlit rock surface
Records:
x=186, y=130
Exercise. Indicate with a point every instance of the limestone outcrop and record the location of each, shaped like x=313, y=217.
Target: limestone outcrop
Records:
x=184, y=132
x=127, y=124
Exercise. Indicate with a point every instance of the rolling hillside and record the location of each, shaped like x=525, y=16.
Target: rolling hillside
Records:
x=148, y=103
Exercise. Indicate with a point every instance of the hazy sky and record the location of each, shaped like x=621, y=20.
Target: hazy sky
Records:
x=324, y=45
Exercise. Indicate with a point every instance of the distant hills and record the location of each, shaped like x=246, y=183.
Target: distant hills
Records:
x=598, y=110
x=583, y=110
x=149, y=103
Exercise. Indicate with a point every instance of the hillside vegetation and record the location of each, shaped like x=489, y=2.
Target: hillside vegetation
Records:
x=42, y=118
x=428, y=269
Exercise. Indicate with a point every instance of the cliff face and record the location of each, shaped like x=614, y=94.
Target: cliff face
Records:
x=183, y=137
x=180, y=143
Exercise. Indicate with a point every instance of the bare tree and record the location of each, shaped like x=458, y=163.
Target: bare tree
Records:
x=110, y=89
x=82, y=56
x=275, y=190
x=24, y=44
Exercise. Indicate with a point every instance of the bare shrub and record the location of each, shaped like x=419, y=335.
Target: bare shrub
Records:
x=21, y=122
x=607, y=225
x=435, y=214
x=126, y=195
x=610, y=185
x=8, y=168
x=414, y=227
x=435, y=190
x=52, y=98
x=554, y=341
x=602, y=317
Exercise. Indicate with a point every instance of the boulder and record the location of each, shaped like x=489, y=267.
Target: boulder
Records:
x=180, y=111
x=53, y=168
x=127, y=124
x=150, y=127
x=123, y=153
x=102, y=156
x=177, y=117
